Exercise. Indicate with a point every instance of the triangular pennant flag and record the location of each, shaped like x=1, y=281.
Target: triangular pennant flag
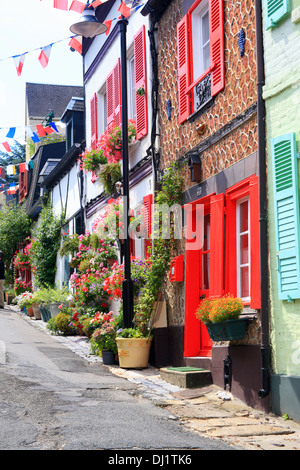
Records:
x=40, y=130
x=12, y=187
x=29, y=131
x=108, y=24
x=77, y=6
x=61, y=4
x=31, y=166
x=35, y=138
x=11, y=133
x=96, y=3
x=23, y=167
x=76, y=44
x=11, y=170
x=53, y=125
x=6, y=146
x=48, y=130
x=124, y=10
x=19, y=62
x=44, y=55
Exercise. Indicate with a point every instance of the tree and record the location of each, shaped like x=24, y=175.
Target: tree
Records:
x=17, y=155
x=15, y=226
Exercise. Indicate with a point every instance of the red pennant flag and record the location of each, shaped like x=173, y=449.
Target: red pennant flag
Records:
x=124, y=10
x=44, y=55
x=23, y=167
x=77, y=6
x=6, y=146
x=108, y=24
x=96, y=3
x=61, y=4
x=48, y=130
x=19, y=62
x=40, y=130
x=76, y=43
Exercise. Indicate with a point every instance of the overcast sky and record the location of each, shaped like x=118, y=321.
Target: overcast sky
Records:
x=26, y=25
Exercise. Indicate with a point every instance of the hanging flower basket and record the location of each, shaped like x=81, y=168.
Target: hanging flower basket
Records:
x=228, y=330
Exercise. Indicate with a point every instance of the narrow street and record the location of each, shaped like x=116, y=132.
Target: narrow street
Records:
x=51, y=399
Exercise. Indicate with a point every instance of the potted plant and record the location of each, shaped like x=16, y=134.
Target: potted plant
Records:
x=105, y=338
x=133, y=348
x=222, y=318
x=109, y=175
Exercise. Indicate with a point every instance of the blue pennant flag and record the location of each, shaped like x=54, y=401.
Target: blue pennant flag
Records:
x=11, y=133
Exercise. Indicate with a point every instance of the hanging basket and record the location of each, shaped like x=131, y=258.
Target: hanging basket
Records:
x=228, y=330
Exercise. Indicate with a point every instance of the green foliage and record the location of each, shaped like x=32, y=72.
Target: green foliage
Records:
x=109, y=175
x=45, y=245
x=15, y=225
x=170, y=194
x=129, y=333
x=17, y=155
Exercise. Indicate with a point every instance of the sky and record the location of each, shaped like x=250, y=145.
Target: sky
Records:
x=26, y=26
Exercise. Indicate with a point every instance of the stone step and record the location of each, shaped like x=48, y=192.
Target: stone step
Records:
x=186, y=377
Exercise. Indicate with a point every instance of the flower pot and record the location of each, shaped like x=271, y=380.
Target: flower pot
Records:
x=36, y=312
x=228, y=330
x=133, y=352
x=29, y=311
x=54, y=310
x=108, y=357
x=45, y=312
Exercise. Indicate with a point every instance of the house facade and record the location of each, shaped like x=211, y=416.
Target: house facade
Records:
x=208, y=122
x=282, y=97
x=102, y=77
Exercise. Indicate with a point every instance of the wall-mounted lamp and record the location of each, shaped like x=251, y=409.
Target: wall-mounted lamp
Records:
x=195, y=167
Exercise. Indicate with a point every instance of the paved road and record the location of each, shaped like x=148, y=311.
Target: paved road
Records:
x=52, y=399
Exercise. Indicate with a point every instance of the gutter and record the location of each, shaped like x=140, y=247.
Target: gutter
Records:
x=263, y=223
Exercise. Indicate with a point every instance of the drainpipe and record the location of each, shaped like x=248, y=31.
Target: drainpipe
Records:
x=265, y=346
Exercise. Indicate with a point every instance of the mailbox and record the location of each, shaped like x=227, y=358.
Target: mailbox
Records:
x=176, y=271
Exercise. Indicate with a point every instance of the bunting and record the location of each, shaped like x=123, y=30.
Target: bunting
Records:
x=61, y=4
x=76, y=43
x=77, y=6
x=19, y=62
x=44, y=55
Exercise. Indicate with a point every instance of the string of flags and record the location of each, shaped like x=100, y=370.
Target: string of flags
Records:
x=75, y=43
x=10, y=170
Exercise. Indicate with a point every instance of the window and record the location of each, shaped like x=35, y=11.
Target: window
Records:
x=243, y=249
x=131, y=89
x=200, y=51
x=275, y=11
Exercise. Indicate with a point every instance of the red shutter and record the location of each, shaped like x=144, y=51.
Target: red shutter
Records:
x=94, y=121
x=23, y=185
x=183, y=68
x=216, y=277
x=117, y=94
x=113, y=96
x=147, y=205
x=140, y=77
x=110, y=110
x=216, y=25
x=255, y=245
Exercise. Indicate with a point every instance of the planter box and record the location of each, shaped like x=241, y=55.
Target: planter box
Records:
x=228, y=330
x=45, y=312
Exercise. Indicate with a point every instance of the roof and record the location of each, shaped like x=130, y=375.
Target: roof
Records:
x=75, y=105
x=63, y=166
x=42, y=98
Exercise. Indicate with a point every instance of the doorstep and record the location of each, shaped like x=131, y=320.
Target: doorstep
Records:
x=199, y=361
x=186, y=377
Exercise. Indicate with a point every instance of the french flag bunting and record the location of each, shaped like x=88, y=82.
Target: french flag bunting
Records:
x=76, y=44
x=6, y=146
x=19, y=62
x=53, y=125
x=40, y=130
x=124, y=10
x=12, y=188
x=108, y=24
x=11, y=133
x=61, y=4
x=44, y=55
x=23, y=167
x=35, y=138
x=77, y=6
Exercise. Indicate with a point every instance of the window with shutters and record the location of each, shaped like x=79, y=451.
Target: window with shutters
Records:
x=200, y=52
x=286, y=202
x=275, y=11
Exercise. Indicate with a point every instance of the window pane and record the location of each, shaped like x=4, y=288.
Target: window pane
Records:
x=245, y=282
x=244, y=249
x=206, y=57
x=205, y=271
x=205, y=28
x=206, y=242
x=244, y=217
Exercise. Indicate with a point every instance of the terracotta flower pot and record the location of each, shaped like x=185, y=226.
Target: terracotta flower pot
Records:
x=133, y=352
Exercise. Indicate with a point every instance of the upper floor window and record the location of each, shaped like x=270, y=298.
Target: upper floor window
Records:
x=200, y=51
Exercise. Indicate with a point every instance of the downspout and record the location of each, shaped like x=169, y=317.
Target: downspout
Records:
x=263, y=225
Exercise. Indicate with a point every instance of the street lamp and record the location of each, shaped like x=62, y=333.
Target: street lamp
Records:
x=88, y=26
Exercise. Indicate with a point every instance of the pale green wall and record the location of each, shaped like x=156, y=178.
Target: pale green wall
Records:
x=282, y=95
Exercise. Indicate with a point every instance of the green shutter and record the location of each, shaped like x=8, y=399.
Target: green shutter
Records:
x=286, y=197
x=275, y=11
